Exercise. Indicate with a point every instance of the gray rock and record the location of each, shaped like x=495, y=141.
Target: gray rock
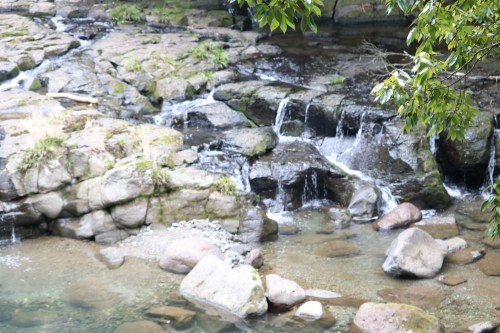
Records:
x=414, y=253
x=283, y=294
x=340, y=218
x=255, y=259
x=215, y=115
x=50, y=204
x=182, y=255
x=392, y=317
x=43, y=9
x=132, y=214
x=172, y=89
x=191, y=178
x=363, y=204
x=255, y=226
x=21, y=104
x=452, y=245
x=251, y=141
x=124, y=183
x=222, y=206
x=53, y=175
x=238, y=291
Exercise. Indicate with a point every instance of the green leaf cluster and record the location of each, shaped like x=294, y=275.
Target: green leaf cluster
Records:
x=281, y=13
x=126, y=12
x=433, y=92
x=213, y=51
x=493, y=204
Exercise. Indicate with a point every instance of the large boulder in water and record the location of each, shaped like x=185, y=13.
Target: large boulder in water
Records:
x=282, y=293
x=401, y=216
x=392, y=317
x=300, y=173
x=363, y=204
x=414, y=253
x=255, y=226
x=182, y=255
x=468, y=159
x=236, y=290
x=403, y=161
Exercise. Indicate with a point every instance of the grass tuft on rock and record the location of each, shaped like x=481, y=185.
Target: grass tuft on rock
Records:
x=226, y=185
x=126, y=13
x=43, y=151
x=212, y=51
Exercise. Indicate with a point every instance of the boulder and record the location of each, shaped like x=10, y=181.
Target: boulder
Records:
x=465, y=256
x=132, y=214
x=392, y=317
x=363, y=204
x=299, y=173
x=50, y=204
x=236, y=290
x=312, y=310
x=401, y=216
x=462, y=159
x=182, y=255
x=255, y=226
x=413, y=253
x=215, y=115
x=254, y=258
x=478, y=326
x=251, y=141
x=404, y=161
x=283, y=294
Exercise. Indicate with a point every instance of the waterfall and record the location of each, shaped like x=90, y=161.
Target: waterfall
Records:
x=387, y=201
x=311, y=191
x=242, y=175
x=280, y=115
x=433, y=143
x=491, y=162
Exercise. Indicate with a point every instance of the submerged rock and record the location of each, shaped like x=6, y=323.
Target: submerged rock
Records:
x=180, y=318
x=490, y=264
x=238, y=291
x=283, y=294
x=91, y=294
x=421, y=296
x=414, y=253
x=312, y=310
x=182, y=255
x=392, y=317
x=401, y=216
x=143, y=326
x=441, y=227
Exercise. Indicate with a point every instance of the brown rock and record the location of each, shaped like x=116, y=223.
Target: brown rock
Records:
x=401, y=216
x=337, y=248
x=345, y=301
x=211, y=324
x=492, y=242
x=490, y=264
x=90, y=294
x=465, y=256
x=143, y=326
x=178, y=317
x=254, y=258
x=451, y=280
x=392, y=317
x=422, y=296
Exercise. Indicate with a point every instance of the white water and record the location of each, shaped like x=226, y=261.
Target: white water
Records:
x=280, y=116
x=492, y=161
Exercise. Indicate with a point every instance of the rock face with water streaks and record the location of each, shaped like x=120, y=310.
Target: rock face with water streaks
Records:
x=238, y=290
x=392, y=317
x=414, y=253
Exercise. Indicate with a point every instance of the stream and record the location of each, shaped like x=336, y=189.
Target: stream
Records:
x=36, y=272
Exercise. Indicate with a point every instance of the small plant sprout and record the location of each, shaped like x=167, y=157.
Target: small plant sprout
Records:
x=226, y=185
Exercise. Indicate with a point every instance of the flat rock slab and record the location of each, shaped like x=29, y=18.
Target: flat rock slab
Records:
x=492, y=242
x=345, y=301
x=337, y=248
x=421, y=296
x=451, y=280
x=21, y=104
x=439, y=227
x=465, y=256
x=91, y=294
x=143, y=326
x=490, y=264
x=178, y=317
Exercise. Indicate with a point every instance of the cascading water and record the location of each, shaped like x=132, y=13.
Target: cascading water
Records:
x=280, y=115
x=433, y=144
x=492, y=161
